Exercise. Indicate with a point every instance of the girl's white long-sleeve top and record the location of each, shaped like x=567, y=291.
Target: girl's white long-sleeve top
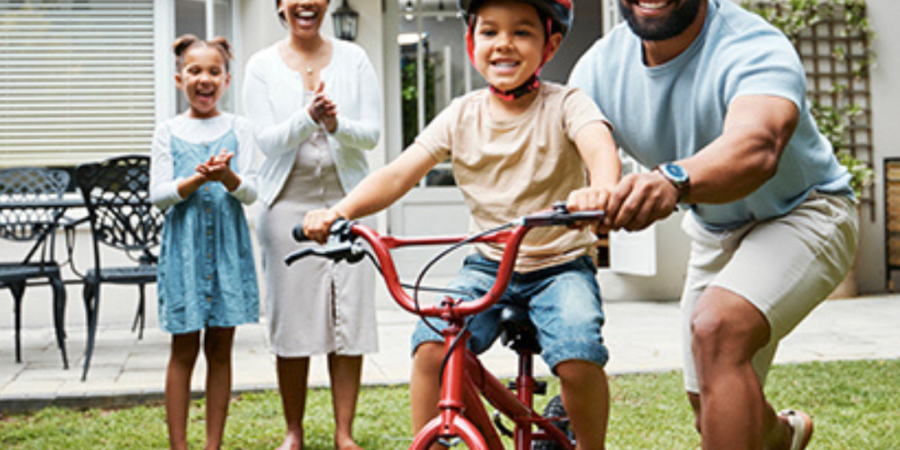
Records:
x=164, y=184
x=273, y=101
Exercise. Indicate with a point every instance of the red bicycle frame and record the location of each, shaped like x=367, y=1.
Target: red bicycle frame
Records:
x=464, y=379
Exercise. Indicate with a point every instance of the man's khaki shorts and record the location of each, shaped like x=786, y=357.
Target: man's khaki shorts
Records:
x=784, y=266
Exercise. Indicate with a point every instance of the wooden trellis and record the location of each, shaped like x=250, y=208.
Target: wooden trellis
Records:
x=842, y=83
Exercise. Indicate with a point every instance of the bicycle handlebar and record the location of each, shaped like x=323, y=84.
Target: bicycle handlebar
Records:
x=342, y=245
x=298, y=233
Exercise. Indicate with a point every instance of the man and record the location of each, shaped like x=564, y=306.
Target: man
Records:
x=713, y=98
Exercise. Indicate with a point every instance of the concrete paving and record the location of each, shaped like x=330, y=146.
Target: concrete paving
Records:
x=642, y=337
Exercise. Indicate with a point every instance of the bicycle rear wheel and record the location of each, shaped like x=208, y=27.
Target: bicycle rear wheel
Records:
x=555, y=408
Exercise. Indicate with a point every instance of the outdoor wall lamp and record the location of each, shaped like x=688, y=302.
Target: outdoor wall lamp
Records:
x=346, y=21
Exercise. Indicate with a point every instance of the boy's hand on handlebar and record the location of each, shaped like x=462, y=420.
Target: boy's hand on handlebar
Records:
x=317, y=224
x=590, y=199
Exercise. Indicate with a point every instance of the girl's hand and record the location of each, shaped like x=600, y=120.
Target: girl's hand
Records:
x=323, y=110
x=317, y=224
x=217, y=168
x=590, y=199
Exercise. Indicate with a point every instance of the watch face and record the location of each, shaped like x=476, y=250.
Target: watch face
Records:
x=676, y=172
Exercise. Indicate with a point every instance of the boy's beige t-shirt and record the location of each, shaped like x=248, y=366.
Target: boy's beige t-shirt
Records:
x=510, y=168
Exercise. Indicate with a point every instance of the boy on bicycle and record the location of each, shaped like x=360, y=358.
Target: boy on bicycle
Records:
x=516, y=148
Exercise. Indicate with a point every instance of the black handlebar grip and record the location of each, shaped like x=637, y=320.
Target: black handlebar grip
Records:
x=587, y=215
x=298, y=234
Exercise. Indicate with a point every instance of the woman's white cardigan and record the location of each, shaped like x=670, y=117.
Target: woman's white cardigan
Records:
x=273, y=101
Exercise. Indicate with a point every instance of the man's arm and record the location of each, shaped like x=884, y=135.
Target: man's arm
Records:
x=757, y=128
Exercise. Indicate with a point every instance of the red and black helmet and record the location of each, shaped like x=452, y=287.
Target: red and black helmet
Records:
x=558, y=12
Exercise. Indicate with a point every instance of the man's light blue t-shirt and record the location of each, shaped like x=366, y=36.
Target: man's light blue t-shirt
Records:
x=669, y=112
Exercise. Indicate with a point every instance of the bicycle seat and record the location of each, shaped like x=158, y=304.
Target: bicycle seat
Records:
x=517, y=331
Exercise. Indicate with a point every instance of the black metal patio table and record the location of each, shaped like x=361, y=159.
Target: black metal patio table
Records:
x=33, y=206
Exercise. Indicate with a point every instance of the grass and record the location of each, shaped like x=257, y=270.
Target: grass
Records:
x=856, y=405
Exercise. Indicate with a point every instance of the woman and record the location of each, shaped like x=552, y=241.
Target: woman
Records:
x=314, y=110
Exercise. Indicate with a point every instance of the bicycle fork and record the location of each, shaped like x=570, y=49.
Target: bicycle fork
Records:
x=462, y=414
x=458, y=418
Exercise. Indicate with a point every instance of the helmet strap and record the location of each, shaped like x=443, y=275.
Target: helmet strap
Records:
x=531, y=85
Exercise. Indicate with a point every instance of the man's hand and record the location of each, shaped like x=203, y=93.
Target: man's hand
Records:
x=317, y=224
x=639, y=200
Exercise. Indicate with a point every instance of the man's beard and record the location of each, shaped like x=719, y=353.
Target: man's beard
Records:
x=660, y=30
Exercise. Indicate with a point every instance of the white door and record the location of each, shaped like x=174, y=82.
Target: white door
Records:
x=429, y=49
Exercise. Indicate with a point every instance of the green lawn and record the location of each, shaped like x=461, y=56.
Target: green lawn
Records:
x=856, y=406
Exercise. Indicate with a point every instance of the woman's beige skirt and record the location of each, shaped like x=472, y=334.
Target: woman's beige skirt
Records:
x=315, y=306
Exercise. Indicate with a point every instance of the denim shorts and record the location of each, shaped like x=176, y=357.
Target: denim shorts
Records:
x=563, y=302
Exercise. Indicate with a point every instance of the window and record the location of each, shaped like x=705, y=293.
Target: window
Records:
x=431, y=33
x=76, y=80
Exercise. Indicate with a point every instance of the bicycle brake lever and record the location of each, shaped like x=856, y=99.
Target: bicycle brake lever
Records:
x=338, y=251
x=299, y=254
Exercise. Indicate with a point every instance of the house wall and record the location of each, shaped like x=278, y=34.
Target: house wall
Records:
x=260, y=28
x=885, y=114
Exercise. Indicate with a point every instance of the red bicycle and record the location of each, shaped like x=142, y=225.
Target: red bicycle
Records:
x=464, y=380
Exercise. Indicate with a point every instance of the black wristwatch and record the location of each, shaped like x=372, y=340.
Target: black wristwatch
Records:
x=677, y=176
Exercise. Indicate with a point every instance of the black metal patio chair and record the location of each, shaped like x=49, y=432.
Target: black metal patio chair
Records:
x=117, y=195
x=30, y=210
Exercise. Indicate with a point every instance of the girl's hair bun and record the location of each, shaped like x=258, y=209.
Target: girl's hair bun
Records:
x=222, y=42
x=186, y=41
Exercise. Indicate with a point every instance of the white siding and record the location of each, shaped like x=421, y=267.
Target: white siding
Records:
x=76, y=80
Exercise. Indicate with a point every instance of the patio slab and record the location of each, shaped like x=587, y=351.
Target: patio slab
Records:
x=641, y=336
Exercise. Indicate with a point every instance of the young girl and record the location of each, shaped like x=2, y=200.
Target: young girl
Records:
x=202, y=171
